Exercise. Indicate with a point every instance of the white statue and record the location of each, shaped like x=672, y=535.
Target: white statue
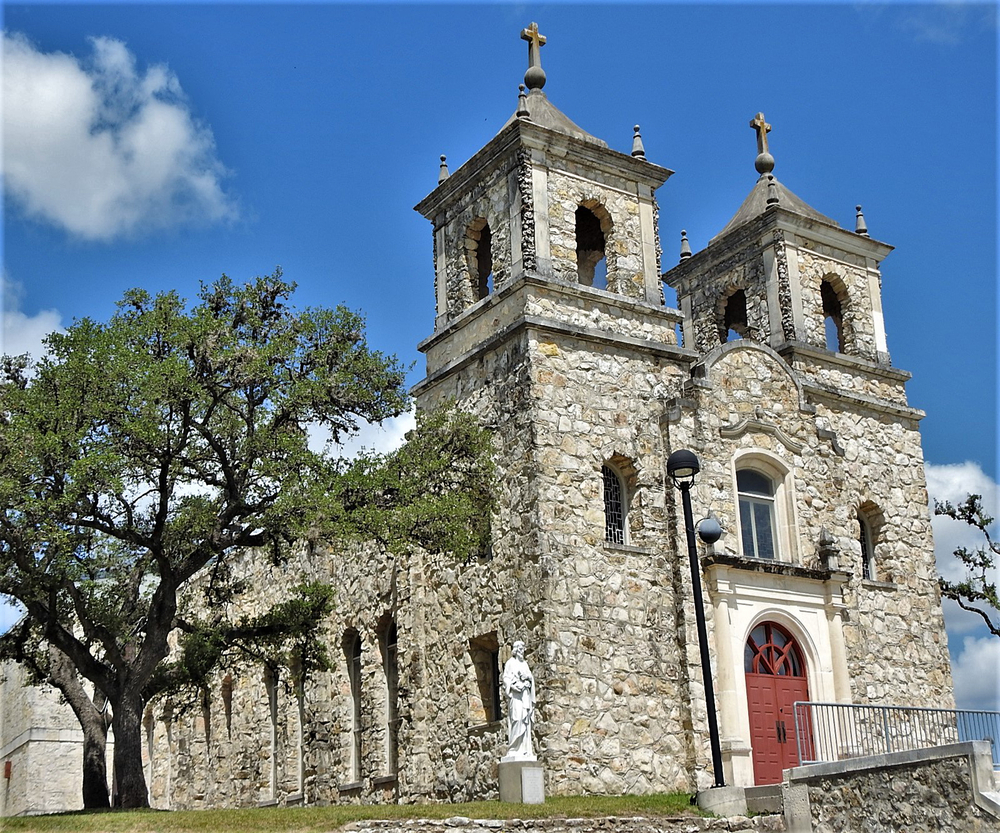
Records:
x=519, y=686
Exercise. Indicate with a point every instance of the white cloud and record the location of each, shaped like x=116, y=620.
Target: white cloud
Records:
x=382, y=438
x=953, y=482
x=976, y=671
x=101, y=149
x=975, y=663
x=20, y=333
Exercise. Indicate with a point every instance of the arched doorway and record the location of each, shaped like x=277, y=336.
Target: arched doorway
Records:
x=776, y=678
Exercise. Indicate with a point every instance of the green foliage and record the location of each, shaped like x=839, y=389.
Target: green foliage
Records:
x=147, y=450
x=978, y=592
x=289, y=635
x=435, y=491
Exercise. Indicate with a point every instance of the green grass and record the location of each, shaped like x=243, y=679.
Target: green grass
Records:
x=303, y=819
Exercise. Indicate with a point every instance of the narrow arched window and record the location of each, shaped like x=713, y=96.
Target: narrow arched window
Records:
x=757, y=520
x=591, y=265
x=615, y=512
x=390, y=670
x=867, y=548
x=271, y=687
x=833, y=318
x=227, y=702
x=352, y=653
x=734, y=320
x=479, y=249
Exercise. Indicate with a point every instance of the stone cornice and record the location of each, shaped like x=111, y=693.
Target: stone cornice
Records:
x=549, y=325
x=797, y=349
x=669, y=315
x=523, y=132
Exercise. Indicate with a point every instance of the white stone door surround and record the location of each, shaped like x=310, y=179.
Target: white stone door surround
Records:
x=808, y=603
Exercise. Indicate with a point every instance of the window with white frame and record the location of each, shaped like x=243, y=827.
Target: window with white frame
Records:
x=758, y=524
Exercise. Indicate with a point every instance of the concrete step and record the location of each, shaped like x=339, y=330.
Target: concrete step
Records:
x=766, y=799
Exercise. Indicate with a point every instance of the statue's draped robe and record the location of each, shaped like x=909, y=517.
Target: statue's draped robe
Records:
x=519, y=686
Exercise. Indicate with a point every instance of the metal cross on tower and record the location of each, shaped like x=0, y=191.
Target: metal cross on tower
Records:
x=762, y=128
x=534, y=78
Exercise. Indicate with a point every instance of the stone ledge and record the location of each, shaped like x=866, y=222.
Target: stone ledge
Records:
x=908, y=757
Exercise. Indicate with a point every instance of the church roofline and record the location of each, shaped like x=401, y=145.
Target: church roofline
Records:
x=777, y=218
x=527, y=133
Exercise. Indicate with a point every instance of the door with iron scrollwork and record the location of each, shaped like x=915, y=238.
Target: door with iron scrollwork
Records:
x=776, y=678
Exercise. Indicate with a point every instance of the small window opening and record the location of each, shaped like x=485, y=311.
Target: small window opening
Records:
x=485, y=653
x=756, y=503
x=734, y=323
x=614, y=506
x=591, y=265
x=352, y=653
x=479, y=246
x=833, y=321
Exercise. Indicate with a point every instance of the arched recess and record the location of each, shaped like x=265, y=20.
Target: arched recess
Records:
x=593, y=231
x=870, y=520
x=835, y=300
x=479, y=254
x=776, y=672
x=618, y=485
x=731, y=315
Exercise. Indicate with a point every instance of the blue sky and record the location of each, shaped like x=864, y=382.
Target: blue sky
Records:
x=162, y=145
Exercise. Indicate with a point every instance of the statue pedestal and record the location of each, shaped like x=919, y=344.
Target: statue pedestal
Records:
x=522, y=782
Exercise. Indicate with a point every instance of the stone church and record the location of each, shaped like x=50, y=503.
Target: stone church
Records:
x=551, y=325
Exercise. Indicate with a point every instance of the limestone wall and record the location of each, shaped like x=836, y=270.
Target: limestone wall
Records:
x=919, y=792
x=612, y=824
x=42, y=740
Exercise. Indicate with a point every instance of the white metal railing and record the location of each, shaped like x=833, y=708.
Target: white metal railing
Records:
x=836, y=731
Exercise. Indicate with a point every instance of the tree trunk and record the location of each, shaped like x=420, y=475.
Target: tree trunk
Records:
x=130, y=780
x=62, y=674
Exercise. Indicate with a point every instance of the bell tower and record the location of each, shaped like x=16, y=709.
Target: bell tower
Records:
x=782, y=274
x=544, y=201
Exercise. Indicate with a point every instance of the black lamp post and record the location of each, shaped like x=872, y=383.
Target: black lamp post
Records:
x=682, y=466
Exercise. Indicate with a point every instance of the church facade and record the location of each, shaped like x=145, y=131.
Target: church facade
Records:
x=551, y=326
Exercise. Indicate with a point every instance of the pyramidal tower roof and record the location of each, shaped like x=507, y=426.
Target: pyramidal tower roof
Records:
x=535, y=105
x=768, y=191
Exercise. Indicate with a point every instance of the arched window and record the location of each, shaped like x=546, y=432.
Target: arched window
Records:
x=390, y=669
x=227, y=702
x=615, y=507
x=771, y=650
x=271, y=687
x=833, y=317
x=591, y=265
x=479, y=250
x=757, y=517
x=734, y=317
x=352, y=654
x=869, y=526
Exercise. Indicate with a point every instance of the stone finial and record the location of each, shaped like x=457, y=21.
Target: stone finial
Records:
x=522, y=102
x=535, y=76
x=685, y=245
x=772, y=189
x=638, y=151
x=829, y=552
x=860, y=226
x=443, y=174
x=764, y=163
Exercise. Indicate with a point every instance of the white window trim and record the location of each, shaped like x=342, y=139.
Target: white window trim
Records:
x=784, y=519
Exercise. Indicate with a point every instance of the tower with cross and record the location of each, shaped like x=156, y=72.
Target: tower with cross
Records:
x=551, y=325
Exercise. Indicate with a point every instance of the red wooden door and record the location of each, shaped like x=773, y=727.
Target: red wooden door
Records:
x=776, y=678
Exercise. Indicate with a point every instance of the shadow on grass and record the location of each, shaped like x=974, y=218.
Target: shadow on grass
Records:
x=308, y=819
